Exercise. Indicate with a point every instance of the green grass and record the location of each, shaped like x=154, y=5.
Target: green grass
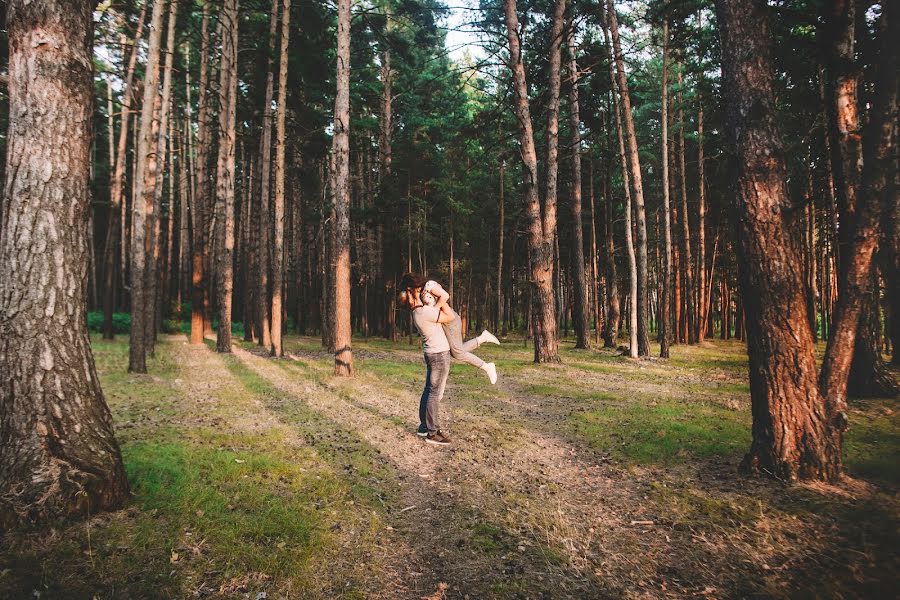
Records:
x=872, y=445
x=665, y=433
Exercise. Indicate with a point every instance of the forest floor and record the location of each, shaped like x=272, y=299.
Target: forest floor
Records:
x=601, y=477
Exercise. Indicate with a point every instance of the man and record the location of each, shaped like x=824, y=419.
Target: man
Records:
x=429, y=321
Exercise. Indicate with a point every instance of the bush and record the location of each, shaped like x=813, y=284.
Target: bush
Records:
x=121, y=322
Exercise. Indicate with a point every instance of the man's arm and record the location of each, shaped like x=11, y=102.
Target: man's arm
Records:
x=445, y=316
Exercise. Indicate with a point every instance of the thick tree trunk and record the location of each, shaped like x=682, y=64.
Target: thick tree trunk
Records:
x=540, y=246
x=794, y=429
x=199, y=246
x=343, y=356
x=59, y=457
x=635, y=164
x=143, y=205
x=581, y=311
x=225, y=170
x=278, y=257
x=115, y=228
x=665, y=319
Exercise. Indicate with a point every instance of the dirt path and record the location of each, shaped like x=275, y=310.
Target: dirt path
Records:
x=518, y=507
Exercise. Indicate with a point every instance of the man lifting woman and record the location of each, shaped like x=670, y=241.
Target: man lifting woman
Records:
x=441, y=330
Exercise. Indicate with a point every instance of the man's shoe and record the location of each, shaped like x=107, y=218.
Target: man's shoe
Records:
x=438, y=438
x=487, y=336
x=491, y=370
x=422, y=431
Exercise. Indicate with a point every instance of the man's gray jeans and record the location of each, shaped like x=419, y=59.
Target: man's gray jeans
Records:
x=437, y=368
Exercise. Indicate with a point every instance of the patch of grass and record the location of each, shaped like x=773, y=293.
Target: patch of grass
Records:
x=872, y=444
x=665, y=433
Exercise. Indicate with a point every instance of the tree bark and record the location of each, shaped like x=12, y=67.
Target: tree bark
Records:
x=265, y=152
x=613, y=316
x=156, y=272
x=703, y=304
x=635, y=164
x=143, y=203
x=626, y=185
x=580, y=313
x=543, y=317
x=199, y=246
x=225, y=170
x=499, y=323
x=115, y=227
x=665, y=318
x=343, y=355
x=278, y=258
x=59, y=457
x=795, y=434
x=857, y=277
x=689, y=292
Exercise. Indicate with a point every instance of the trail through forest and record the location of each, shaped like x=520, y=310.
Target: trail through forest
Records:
x=601, y=477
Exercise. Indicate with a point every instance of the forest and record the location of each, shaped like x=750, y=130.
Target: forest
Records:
x=671, y=226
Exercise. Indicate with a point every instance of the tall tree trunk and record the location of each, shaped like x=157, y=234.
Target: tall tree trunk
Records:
x=643, y=341
x=59, y=457
x=852, y=327
x=580, y=313
x=689, y=292
x=498, y=326
x=115, y=227
x=597, y=305
x=278, y=258
x=343, y=356
x=703, y=304
x=199, y=245
x=795, y=434
x=629, y=237
x=156, y=271
x=225, y=170
x=543, y=313
x=143, y=203
x=265, y=256
x=613, y=317
x=665, y=318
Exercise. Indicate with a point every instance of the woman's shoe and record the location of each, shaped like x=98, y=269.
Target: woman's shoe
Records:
x=491, y=370
x=488, y=337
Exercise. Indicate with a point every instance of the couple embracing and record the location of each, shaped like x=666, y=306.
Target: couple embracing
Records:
x=441, y=330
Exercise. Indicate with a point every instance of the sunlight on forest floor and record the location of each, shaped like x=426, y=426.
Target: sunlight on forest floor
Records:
x=600, y=477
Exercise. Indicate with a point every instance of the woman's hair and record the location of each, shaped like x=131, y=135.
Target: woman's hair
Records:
x=412, y=281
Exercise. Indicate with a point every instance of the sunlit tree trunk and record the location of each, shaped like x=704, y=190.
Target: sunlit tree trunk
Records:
x=278, y=257
x=58, y=456
x=343, y=356
x=543, y=312
x=225, y=170
x=499, y=324
x=795, y=431
x=199, y=245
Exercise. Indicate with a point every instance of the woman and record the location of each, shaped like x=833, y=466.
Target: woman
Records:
x=415, y=287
